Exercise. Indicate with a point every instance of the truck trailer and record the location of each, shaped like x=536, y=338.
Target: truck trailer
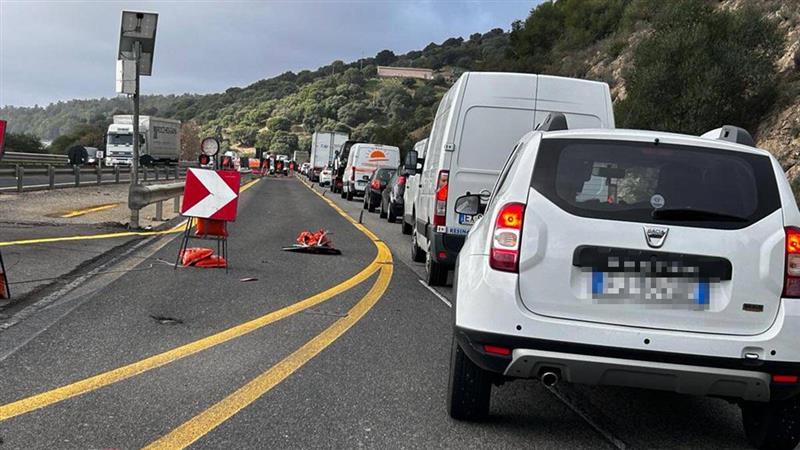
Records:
x=324, y=146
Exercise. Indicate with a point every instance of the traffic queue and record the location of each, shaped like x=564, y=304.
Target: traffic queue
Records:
x=582, y=253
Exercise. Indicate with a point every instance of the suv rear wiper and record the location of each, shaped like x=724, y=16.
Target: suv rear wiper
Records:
x=694, y=214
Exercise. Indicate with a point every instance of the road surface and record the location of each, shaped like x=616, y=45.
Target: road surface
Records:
x=316, y=352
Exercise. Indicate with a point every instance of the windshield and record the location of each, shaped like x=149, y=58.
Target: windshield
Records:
x=123, y=139
x=663, y=184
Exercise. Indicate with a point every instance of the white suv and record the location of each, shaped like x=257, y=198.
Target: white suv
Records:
x=635, y=258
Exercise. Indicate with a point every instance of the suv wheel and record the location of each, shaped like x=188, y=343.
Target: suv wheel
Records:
x=437, y=273
x=469, y=389
x=417, y=254
x=772, y=425
x=368, y=202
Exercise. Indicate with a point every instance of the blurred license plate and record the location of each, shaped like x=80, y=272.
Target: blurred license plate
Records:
x=637, y=288
x=464, y=219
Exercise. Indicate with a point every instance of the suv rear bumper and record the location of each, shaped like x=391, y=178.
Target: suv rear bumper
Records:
x=597, y=365
x=446, y=247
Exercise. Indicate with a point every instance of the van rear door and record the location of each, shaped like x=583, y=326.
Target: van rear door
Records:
x=672, y=237
x=495, y=111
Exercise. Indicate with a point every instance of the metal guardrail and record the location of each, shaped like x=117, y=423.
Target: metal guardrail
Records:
x=140, y=196
x=12, y=158
x=19, y=171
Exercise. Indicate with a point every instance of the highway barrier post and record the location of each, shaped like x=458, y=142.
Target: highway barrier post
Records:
x=20, y=173
x=116, y=174
x=99, y=170
x=77, y=171
x=51, y=177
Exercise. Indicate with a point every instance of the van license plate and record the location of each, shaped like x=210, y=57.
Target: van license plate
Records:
x=464, y=219
x=635, y=288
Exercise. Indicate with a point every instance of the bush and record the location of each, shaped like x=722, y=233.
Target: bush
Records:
x=700, y=69
x=23, y=142
x=279, y=123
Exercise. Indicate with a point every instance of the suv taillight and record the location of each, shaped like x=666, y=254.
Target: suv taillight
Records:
x=791, y=276
x=440, y=209
x=505, y=238
x=376, y=184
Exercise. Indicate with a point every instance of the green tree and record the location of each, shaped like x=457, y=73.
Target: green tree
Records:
x=279, y=123
x=23, y=142
x=702, y=68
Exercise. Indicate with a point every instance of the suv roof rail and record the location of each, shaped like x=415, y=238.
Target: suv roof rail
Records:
x=731, y=133
x=555, y=121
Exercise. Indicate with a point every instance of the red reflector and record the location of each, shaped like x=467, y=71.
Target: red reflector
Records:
x=401, y=181
x=497, y=350
x=784, y=378
x=442, y=255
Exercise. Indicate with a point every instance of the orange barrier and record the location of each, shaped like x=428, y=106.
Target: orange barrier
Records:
x=211, y=227
x=193, y=255
x=212, y=262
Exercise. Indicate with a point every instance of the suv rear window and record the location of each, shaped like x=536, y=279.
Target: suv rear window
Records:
x=645, y=182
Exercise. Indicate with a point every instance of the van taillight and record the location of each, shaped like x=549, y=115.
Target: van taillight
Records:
x=353, y=175
x=791, y=276
x=440, y=209
x=506, y=236
x=401, y=181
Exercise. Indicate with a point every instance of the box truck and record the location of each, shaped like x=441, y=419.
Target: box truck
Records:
x=324, y=145
x=159, y=141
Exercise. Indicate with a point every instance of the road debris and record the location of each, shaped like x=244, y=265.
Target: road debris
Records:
x=314, y=242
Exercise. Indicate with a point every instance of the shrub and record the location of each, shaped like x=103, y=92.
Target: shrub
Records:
x=700, y=69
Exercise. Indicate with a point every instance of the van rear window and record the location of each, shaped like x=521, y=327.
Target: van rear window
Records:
x=489, y=134
x=667, y=184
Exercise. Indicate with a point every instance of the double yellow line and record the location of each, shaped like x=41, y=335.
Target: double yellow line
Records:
x=212, y=417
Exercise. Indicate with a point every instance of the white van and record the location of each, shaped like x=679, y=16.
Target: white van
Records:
x=478, y=122
x=362, y=161
x=412, y=186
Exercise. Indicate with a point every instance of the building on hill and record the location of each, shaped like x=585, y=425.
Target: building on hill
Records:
x=405, y=72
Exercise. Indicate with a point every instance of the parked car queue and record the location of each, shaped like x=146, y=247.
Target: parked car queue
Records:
x=593, y=255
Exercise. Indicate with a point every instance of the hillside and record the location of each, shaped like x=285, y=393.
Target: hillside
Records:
x=684, y=66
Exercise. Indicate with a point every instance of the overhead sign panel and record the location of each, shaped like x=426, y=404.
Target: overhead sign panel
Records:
x=211, y=194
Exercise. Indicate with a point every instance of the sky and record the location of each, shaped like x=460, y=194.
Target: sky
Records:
x=62, y=49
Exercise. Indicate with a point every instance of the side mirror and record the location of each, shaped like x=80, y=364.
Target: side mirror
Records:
x=411, y=159
x=469, y=205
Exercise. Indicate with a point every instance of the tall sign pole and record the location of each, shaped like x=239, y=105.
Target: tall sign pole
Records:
x=135, y=58
x=137, y=50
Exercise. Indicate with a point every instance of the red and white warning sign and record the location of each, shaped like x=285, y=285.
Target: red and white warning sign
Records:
x=211, y=194
x=2, y=137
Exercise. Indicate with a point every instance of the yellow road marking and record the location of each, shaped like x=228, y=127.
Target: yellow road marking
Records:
x=203, y=423
x=81, y=212
x=48, y=398
x=176, y=229
x=65, y=392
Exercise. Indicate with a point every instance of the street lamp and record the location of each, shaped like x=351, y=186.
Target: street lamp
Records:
x=137, y=41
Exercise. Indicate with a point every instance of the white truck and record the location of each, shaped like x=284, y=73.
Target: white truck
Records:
x=159, y=141
x=324, y=146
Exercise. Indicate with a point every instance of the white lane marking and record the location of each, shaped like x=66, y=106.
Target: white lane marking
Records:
x=438, y=295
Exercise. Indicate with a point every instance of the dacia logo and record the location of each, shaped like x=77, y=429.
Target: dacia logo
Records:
x=655, y=236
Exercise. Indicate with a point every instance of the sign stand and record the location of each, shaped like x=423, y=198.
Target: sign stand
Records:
x=221, y=236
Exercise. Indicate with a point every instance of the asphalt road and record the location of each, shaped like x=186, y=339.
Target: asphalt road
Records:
x=144, y=354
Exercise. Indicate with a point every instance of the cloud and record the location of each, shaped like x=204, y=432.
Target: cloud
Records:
x=58, y=50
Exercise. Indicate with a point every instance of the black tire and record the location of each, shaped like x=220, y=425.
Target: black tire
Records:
x=370, y=204
x=341, y=192
x=390, y=216
x=364, y=203
x=469, y=388
x=772, y=425
x=349, y=195
x=417, y=254
x=436, y=273
x=407, y=227
x=382, y=214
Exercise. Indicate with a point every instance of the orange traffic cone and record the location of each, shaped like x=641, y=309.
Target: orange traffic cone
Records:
x=212, y=262
x=193, y=255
